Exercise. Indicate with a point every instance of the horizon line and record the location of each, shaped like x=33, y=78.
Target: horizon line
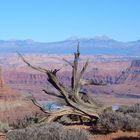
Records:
x=74, y=38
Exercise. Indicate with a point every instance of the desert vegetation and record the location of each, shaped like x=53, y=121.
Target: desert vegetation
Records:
x=123, y=123
x=78, y=109
x=125, y=119
x=51, y=131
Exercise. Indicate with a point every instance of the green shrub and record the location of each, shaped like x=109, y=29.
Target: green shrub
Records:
x=125, y=118
x=131, y=117
x=130, y=123
x=130, y=109
x=109, y=122
x=53, y=131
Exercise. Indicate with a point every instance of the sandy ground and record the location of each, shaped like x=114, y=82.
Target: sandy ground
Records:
x=119, y=136
x=2, y=136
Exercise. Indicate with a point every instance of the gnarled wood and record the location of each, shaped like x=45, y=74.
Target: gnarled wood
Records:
x=75, y=103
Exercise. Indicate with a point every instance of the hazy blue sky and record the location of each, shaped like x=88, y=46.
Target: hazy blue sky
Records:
x=52, y=20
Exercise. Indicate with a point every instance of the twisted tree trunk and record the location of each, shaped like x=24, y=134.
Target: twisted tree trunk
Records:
x=75, y=103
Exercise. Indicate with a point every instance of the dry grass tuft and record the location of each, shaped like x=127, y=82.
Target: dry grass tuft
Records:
x=10, y=104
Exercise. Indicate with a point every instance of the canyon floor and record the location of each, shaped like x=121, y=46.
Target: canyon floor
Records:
x=121, y=74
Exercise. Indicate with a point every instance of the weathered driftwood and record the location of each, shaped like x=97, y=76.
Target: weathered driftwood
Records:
x=75, y=99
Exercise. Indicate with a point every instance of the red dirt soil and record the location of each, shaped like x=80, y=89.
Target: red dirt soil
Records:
x=14, y=106
x=120, y=135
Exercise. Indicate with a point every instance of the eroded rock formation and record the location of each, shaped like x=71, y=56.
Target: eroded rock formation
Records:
x=1, y=78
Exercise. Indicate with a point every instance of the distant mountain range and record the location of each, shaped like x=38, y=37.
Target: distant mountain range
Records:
x=96, y=46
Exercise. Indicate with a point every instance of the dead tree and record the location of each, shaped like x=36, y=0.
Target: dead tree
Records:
x=75, y=103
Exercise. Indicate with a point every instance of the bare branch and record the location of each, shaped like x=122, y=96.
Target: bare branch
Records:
x=78, y=50
x=53, y=94
x=74, y=70
x=38, y=105
x=83, y=69
x=55, y=71
x=79, y=80
x=71, y=64
x=33, y=67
